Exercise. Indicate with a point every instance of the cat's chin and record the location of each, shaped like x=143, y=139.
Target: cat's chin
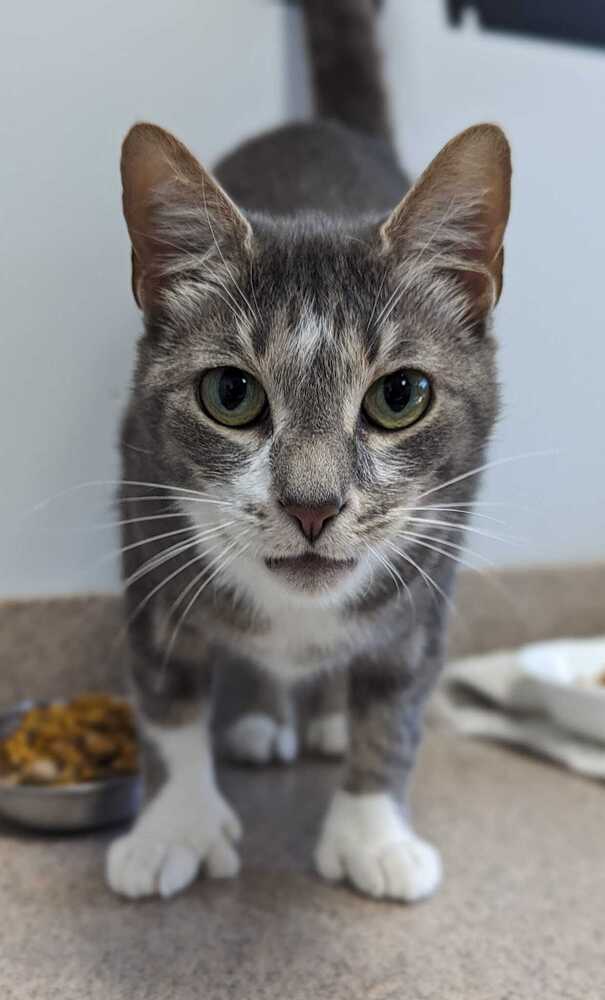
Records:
x=311, y=573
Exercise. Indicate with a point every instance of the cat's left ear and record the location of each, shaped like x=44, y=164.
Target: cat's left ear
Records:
x=453, y=219
x=173, y=208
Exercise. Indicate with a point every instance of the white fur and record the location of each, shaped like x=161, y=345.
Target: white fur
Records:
x=187, y=825
x=366, y=840
x=328, y=734
x=258, y=738
x=312, y=331
x=298, y=620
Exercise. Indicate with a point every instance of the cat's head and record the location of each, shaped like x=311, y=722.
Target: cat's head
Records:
x=323, y=379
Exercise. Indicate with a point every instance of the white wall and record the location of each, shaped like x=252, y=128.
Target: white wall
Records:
x=551, y=100
x=74, y=76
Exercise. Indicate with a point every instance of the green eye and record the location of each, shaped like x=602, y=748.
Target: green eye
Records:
x=398, y=400
x=231, y=396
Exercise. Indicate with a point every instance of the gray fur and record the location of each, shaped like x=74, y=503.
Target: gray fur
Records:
x=316, y=308
x=346, y=70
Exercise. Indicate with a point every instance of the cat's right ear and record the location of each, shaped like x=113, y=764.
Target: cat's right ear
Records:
x=453, y=219
x=173, y=208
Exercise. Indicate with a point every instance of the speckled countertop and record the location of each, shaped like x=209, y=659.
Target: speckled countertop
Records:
x=521, y=915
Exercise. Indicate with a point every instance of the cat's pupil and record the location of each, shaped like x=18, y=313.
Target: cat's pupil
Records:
x=233, y=388
x=397, y=391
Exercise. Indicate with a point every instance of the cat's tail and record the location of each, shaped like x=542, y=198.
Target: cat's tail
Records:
x=346, y=65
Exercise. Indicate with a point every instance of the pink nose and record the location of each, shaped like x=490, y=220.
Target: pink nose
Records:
x=312, y=520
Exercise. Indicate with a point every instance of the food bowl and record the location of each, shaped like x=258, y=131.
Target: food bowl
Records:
x=565, y=679
x=66, y=808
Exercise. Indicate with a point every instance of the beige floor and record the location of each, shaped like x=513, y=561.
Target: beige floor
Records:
x=521, y=915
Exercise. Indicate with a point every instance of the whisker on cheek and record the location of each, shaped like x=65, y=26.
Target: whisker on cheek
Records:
x=448, y=544
x=206, y=580
x=488, y=465
x=166, y=534
x=456, y=526
x=175, y=499
x=428, y=579
x=393, y=573
x=417, y=540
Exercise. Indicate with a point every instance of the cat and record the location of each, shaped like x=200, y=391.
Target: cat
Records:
x=314, y=392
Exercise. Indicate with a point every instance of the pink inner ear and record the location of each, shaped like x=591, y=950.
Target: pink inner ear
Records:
x=157, y=167
x=455, y=215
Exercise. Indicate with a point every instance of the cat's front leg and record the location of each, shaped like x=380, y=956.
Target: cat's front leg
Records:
x=366, y=837
x=185, y=823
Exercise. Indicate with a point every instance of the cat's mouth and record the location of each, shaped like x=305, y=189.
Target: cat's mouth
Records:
x=310, y=571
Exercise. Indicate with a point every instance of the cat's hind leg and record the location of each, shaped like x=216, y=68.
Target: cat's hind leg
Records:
x=258, y=719
x=327, y=727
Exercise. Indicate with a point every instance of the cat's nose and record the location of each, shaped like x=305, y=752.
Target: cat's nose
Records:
x=312, y=520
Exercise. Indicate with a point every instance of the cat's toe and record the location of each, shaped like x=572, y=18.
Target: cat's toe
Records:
x=367, y=842
x=166, y=848
x=258, y=739
x=139, y=865
x=407, y=871
x=411, y=869
x=179, y=868
x=328, y=735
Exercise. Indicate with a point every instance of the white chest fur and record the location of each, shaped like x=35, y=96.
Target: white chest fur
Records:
x=302, y=634
x=302, y=640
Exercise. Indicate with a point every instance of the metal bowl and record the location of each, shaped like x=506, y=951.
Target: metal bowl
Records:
x=66, y=808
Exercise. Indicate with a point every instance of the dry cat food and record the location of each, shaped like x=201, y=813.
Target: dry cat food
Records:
x=89, y=738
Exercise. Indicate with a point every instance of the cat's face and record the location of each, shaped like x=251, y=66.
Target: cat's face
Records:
x=320, y=382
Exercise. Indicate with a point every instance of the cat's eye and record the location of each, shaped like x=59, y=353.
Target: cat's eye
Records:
x=398, y=400
x=232, y=397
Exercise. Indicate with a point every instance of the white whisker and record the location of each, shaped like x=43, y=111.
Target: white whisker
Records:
x=158, y=538
x=450, y=545
x=466, y=528
x=487, y=576
x=488, y=465
x=222, y=565
x=148, y=597
x=160, y=558
x=378, y=294
x=187, y=261
x=436, y=548
x=112, y=482
x=191, y=584
x=228, y=269
x=474, y=503
x=394, y=574
x=160, y=486
x=137, y=520
x=428, y=579
x=176, y=499
x=453, y=509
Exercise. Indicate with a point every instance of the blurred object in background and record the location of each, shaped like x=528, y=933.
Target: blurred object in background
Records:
x=580, y=21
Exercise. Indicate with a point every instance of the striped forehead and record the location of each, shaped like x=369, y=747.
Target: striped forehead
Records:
x=309, y=342
x=312, y=365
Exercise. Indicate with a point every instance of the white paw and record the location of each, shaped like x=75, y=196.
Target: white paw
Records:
x=366, y=840
x=164, y=851
x=328, y=734
x=258, y=739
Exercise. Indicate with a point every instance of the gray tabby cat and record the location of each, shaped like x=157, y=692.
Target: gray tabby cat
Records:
x=313, y=395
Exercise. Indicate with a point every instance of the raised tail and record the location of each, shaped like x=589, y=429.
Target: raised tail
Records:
x=346, y=65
